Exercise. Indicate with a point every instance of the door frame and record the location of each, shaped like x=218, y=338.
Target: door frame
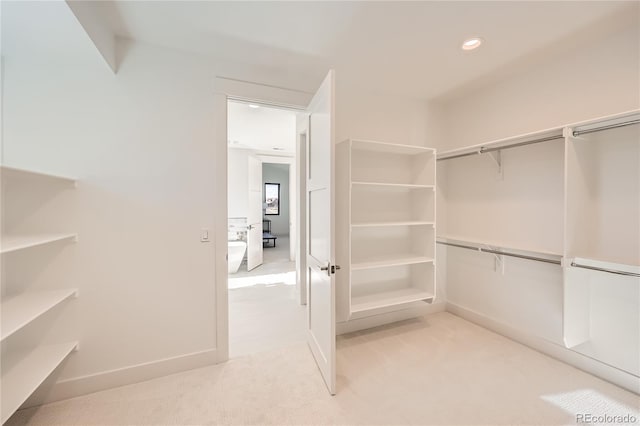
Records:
x=225, y=89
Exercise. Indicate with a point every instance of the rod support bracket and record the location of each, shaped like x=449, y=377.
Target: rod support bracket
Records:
x=496, y=156
x=498, y=259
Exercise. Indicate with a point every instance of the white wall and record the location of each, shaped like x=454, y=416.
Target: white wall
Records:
x=140, y=145
x=237, y=182
x=278, y=173
x=595, y=80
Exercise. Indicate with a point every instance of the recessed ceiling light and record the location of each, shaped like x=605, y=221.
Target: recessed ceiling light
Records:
x=254, y=106
x=275, y=148
x=472, y=43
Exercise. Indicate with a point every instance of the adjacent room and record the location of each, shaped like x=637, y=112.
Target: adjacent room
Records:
x=265, y=309
x=320, y=212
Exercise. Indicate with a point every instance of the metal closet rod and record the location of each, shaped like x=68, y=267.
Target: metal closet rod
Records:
x=501, y=253
x=484, y=150
x=610, y=126
x=611, y=271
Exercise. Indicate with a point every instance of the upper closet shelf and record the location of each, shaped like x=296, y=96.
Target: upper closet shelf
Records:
x=606, y=123
x=392, y=185
x=21, y=310
x=497, y=145
x=493, y=247
x=555, y=133
x=25, y=174
x=11, y=243
x=605, y=266
x=389, y=147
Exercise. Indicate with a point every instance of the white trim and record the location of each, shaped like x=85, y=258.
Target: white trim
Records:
x=621, y=378
x=388, y=317
x=220, y=227
x=83, y=385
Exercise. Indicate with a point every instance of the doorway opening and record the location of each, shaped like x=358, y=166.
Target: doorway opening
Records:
x=265, y=310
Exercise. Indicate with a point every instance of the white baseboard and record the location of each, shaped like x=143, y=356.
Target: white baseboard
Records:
x=387, y=318
x=611, y=374
x=77, y=386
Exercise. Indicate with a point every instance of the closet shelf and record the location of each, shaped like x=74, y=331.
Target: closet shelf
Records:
x=18, y=242
x=21, y=310
x=388, y=298
x=390, y=223
x=498, y=245
x=384, y=147
x=525, y=139
x=605, y=266
x=22, y=377
x=387, y=261
x=392, y=185
x=25, y=174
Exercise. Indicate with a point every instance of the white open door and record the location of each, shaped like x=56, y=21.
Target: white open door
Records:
x=320, y=251
x=254, y=215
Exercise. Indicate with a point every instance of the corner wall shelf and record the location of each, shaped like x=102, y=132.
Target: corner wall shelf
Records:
x=12, y=243
x=24, y=376
x=19, y=311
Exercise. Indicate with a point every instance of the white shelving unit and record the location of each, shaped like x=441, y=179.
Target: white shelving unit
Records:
x=28, y=371
x=386, y=197
x=26, y=363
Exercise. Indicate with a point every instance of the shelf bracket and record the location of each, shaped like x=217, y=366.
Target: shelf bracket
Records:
x=498, y=260
x=497, y=158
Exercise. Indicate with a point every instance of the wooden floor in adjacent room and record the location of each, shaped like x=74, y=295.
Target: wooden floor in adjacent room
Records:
x=435, y=370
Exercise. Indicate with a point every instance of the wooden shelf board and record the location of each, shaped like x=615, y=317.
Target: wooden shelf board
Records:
x=389, y=147
x=24, y=174
x=32, y=369
x=388, y=261
x=392, y=185
x=20, y=310
x=18, y=242
x=388, y=298
x=400, y=223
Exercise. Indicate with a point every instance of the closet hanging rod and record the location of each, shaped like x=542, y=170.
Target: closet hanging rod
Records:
x=611, y=271
x=610, y=126
x=501, y=253
x=484, y=150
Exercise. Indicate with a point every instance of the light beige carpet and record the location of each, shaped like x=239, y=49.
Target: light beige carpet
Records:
x=438, y=370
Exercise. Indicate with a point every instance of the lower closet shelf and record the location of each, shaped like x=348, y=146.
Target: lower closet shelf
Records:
x=25, y=375
x=388, y=298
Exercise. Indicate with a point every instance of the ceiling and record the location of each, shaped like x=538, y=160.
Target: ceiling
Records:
x=404, y=48
x=261, y=129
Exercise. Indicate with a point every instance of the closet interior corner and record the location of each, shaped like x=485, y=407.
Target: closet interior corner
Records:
x=545, y=237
